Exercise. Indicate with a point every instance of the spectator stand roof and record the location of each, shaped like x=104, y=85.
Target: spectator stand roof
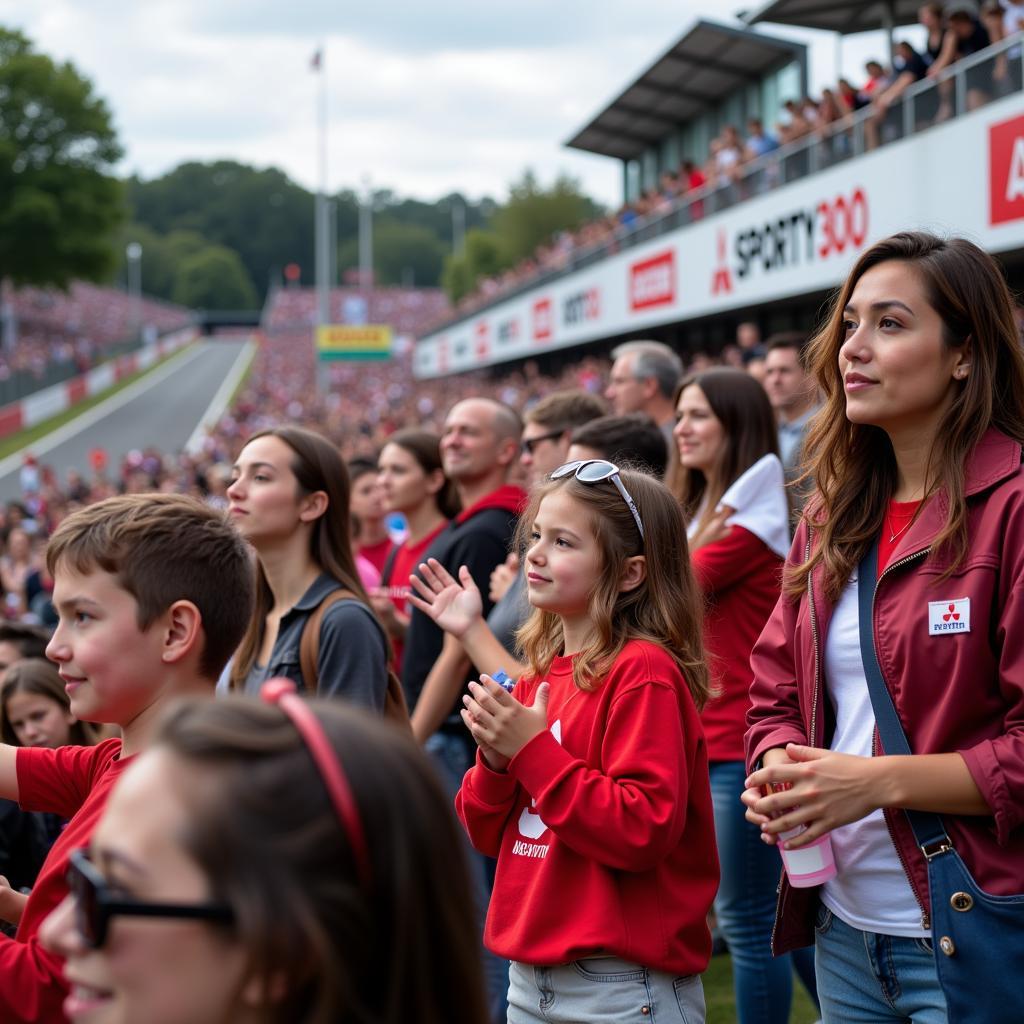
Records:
x=709, y=63
x=840, y=16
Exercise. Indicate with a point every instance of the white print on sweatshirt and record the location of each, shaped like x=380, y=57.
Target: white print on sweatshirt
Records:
x=532, y=825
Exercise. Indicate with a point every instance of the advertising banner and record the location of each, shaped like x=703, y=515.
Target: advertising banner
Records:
x=965, y=177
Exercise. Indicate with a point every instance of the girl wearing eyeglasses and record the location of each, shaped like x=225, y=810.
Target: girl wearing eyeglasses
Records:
x=730, y=483
x=590, y=784
x=225, y=881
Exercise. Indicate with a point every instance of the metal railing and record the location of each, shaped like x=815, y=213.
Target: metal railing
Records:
x=965, y=86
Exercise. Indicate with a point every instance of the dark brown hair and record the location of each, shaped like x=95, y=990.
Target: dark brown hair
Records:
x=263, y=830
x=633, y=439
x=41, y=678
x=30, y=641
x=164, y=548
x=425, y=447
x=563, y=410
x=852, y=465
x=664, y=609
x=741, y=405
x=317, y=466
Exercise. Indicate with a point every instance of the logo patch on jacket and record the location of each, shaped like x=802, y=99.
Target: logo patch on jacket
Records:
x=951, y=616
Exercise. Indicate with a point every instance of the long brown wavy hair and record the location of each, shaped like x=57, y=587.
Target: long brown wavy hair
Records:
x=741, y=405
x=317, y=467
x=852, y=465
x=665, y=609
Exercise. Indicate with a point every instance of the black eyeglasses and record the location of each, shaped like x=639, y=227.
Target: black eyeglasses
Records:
x=95, y=905
x=596, y=471
x=530, y=444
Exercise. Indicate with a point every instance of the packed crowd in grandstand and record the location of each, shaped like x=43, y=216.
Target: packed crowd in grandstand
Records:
x=953, y=32
x=78, y=327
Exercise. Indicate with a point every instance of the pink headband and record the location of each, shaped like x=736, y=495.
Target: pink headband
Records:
x=282, y=693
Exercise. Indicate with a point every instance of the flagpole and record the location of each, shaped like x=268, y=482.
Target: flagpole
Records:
x=322, y=233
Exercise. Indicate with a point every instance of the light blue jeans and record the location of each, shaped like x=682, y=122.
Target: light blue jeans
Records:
x=745, y=907
x=602, y=990
x=453, y=757
x=866, y=978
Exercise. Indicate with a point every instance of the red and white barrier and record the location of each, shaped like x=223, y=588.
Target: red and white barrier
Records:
x=41, y=405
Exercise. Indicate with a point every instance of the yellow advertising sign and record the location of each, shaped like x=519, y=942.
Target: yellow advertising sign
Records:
x=349, y=341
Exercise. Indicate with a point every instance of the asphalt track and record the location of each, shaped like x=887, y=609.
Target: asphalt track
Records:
x=162, y=409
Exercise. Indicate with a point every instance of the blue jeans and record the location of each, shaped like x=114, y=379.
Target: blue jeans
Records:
x=602, y=990
x=745, y=907
x=453, y=757
x=865, y=978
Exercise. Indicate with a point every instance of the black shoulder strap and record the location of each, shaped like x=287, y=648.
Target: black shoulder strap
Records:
x=928, y=828
x=389, y=565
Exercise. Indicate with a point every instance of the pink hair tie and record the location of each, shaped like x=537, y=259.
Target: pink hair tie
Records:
x=282, y=693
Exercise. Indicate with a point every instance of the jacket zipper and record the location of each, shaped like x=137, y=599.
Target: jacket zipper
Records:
x=925, y=918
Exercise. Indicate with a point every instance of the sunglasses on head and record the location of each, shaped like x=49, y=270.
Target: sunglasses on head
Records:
x=95, y=903
x=596, y=471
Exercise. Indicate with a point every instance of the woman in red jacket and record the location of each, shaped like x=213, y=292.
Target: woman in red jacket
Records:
x=730, y=483
x=917, y=449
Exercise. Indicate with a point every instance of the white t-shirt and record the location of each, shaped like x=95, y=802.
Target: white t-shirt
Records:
x=870, y=890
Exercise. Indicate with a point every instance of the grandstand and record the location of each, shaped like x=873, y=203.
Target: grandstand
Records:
x=407, y=310
x=715, y=230
x=61, y=334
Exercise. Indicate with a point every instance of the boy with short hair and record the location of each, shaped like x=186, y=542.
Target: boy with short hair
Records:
x=153, y=592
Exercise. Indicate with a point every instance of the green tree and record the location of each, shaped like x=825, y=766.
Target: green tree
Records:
x=61, y=206
x=534, y=215
x=214, y=278
x=481, y=258
x=262, y=215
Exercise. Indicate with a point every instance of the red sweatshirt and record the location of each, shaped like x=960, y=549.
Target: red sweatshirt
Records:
x=73, y=782
x=602, y=824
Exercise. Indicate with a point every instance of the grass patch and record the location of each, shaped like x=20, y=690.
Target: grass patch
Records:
x=721, y=1004
x=24, y=438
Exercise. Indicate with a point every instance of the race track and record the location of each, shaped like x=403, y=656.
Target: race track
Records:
x=162, y=409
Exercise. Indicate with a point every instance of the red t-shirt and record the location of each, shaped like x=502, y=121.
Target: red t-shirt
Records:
x=73, y=782
x=602, y=825
x=898, y=517
x=377, y=554
x=407, y=557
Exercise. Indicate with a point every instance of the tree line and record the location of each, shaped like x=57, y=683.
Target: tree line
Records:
x=217, y=235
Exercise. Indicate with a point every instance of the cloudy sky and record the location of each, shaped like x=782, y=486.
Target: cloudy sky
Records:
x=423, y=97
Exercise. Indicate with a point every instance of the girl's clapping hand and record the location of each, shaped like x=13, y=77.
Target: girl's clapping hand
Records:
x=499, y=723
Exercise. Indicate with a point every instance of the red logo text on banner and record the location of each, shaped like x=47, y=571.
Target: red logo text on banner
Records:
x=1006, y=171
x=483, y=344
x=542, y=320
x=652, y=282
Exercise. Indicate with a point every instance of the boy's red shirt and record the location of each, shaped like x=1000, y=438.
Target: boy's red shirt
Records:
x=73, y=782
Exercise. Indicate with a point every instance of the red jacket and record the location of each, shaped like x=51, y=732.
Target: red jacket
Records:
x=739, y=577
x=602, y=824
x=954, y=691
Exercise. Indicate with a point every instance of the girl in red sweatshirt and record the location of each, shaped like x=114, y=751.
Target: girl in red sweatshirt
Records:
x=591, y=779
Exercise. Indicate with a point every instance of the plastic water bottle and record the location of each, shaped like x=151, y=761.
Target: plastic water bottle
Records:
x=811, y=864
